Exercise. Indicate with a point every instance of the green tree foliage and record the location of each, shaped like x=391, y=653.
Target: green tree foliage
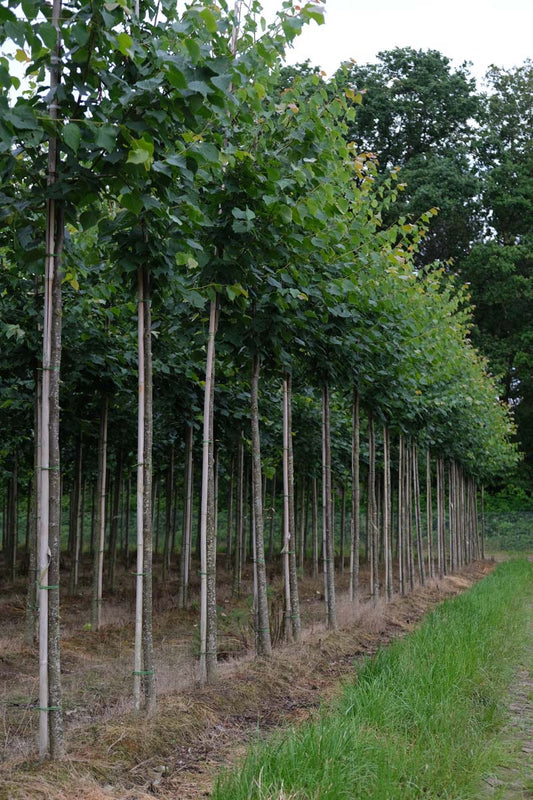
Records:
x=415, y=112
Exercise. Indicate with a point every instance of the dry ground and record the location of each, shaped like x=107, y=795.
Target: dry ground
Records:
x=112, y=753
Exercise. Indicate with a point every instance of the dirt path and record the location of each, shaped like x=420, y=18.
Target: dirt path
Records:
x=514, y=781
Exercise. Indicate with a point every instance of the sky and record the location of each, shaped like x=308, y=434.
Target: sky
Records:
x=484, y=32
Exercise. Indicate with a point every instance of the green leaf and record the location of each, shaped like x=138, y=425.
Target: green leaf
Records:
x=222, y=82
x=199, y=86
x=106, y=136
x=194, y=49
x=48, y=34
x=132, y=201
x=209, y=19
x=125, y=44
x=141, y=152
x=72, y=136
x=285, y=213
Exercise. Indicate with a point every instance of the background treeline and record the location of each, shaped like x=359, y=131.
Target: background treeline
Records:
x=251, y=313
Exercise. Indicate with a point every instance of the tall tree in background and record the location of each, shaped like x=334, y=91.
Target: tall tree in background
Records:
x=500, y=267
x=416, y=112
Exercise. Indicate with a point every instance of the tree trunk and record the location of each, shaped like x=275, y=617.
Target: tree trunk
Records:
x=206, y=475
x=100, y=520
x=285, y=552
x=440, y=518
x=314, y=524
x=76, y=516
x=418, y=518
x=483, y=522
x=147, y=622
x=372, y=510
x=264, y=646
x=229, y=528
x=329, y=551
x=138, y=646
x=239, y=521
x=295, y=600
x=387, y=528
x=186, y=535
x=429, y=515
x=271, y=518
x=169, y=493
x=113, y=530
x=343, y=525
x=32, y=607
x=355, y=526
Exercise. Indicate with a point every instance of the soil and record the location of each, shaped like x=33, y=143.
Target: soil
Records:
x=112, y=753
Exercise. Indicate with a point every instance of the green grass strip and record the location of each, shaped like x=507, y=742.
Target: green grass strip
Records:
x=420, y=720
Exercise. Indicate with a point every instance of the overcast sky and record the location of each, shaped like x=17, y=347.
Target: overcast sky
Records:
x=482, y=31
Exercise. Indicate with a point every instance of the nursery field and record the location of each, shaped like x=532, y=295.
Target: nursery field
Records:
x=114, y=753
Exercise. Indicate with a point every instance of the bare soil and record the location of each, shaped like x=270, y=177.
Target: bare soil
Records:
x=113, y=753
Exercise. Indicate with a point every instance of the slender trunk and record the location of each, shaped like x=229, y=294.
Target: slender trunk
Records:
x=100, y=520
x=271, y=518
x=295, y=600
x=329, y=547
x=138, y=645
x=147, y=620
x=418, y=518
x=343, y=525
x=113, y=530
x=401, y=536
x=483, y=522
x=440, y=517
x=288, y=629
x=76, y=516
x=212, y=643
x=55, y=720
x=314, y=523
x=302, y=525
x=169, y=492
x=239, y=521
x=409, y=515
x=204, y=501
x=355, y=527
x=387, y=551
x=186, y=534
x=372, y=510
x=264, y=646
x=229, y=528
x=126, y=554
x=32, y=606
x=429, y=514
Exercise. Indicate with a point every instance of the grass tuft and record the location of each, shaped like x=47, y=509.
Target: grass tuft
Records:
x=419, y=720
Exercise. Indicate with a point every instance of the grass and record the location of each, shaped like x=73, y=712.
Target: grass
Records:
x=419, y=720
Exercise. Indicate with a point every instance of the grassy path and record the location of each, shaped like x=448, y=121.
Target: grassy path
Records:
x=513, y=780
x=422, y=718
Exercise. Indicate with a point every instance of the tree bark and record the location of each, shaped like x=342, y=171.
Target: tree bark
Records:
x=115, y=517
x=264, y=646
x=204, y=500
x=355, y=526
x=295, y=600
x=138, y=646
x=429, y=515
x=186, y=535
x=285, y=552
x=329, y=553
x=100, y=520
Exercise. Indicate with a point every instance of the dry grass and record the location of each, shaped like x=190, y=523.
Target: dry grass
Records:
x=114, y=753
